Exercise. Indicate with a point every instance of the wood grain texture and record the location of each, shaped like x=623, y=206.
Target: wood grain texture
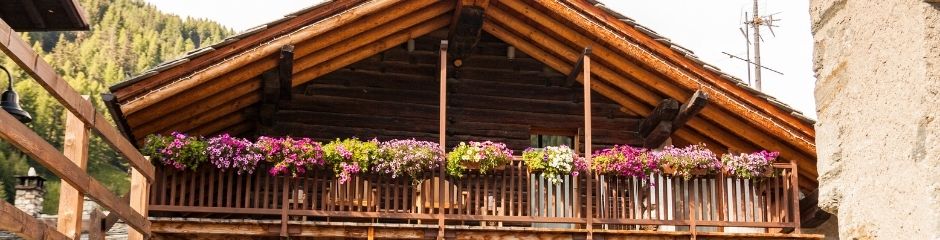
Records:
x=28, y=60
x=71, y=200
x=15, y=221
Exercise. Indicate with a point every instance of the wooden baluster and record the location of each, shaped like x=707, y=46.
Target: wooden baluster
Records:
x=795, y=203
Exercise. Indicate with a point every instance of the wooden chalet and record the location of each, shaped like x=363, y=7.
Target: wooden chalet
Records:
x=522, y=72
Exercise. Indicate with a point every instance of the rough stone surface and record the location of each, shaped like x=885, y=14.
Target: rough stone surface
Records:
x=877, y=65
x=29, y=201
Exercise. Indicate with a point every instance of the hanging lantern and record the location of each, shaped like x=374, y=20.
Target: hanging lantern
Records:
x=10, y=102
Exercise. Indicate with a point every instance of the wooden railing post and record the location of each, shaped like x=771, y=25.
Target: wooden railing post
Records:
x=795, y=199
x=139, y=194
x=285, y=204
x=70, y=199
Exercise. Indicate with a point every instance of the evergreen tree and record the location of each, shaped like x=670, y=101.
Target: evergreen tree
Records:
x=126, y=38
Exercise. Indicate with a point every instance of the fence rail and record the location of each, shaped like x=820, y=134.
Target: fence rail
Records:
x=508, y=197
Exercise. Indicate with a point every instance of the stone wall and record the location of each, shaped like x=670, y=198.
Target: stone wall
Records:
x=877, y=65
x=29, y=201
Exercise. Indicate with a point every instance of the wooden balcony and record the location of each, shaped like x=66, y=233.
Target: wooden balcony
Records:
x=507, y=200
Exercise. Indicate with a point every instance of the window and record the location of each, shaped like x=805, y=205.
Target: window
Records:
x=540, y=140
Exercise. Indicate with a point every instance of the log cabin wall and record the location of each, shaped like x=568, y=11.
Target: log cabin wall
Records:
x=490, y=97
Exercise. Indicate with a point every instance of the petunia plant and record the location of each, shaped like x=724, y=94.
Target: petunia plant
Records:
x=290, y=156
x=350, y=156
x=177, y=150
x=554, y=162
x=408, y=158
x=227, y=152
x=627, y=161
x=690, y=160
x=750, y=166
x=480, y=156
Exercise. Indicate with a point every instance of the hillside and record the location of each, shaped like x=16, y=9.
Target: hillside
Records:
x=126, y=37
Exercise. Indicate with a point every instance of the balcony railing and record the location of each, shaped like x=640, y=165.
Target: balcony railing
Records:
x=508, y=197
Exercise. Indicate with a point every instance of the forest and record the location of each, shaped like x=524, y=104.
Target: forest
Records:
x=126, y=38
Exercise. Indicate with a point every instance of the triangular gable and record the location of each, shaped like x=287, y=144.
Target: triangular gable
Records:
x=636, y=68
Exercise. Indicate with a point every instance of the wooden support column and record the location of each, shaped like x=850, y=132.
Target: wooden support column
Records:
x=442, y=135
x=139, y=196
x=586, y=71
x=70, y=199
x=275, y=88
x=96, y=230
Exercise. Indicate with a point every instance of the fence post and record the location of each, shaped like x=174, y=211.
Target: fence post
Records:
x=71, y=200
x=795, y=188
x=442, y=134
x=139, y=194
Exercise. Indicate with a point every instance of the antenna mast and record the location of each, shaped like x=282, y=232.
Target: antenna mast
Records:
x=754, y=23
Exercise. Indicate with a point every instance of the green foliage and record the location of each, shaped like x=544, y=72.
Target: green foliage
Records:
x=480, y=156
x=351, y=150
x=126, y=38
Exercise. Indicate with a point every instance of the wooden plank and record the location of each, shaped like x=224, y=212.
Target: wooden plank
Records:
x=28, y=60
x=15, y=221
x=577, y=70
x=71, y=201
x=240, y=61
x=96, y=229
x=465, y=28
x=38, y=149
x=666, y=111
x=139, y=193
x=689, y=109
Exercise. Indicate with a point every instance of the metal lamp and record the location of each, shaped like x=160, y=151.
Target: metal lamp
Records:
x=10, y=102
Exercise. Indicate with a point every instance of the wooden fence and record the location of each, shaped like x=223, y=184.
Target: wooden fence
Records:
x=508, y=197
x=71, y=165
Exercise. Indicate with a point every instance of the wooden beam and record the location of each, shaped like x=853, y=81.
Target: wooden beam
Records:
x=71, y=201
x=15, y=221
x=311, y=53
x=666, y=111
x=658, y=135
x=34, y=65
x=96, y=230
x=269, y=97
x=588, y=135
x=754, y=136
x=285, y=71
x=129, y=89
x=240, y=61
x=44, y=153
x=117, y=116
x=576, y=71
x=465, y=27
x=681, y=60
x=689, y=109
x=30, y=8
x=442, y=132
x=802, y=142
x=139, y=198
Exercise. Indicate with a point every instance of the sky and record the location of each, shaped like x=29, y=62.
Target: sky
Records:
x=708, y=28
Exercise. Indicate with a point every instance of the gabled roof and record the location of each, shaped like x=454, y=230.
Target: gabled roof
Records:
x=636, y=66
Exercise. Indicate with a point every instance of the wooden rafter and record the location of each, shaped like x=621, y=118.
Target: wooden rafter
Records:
x=366, y=32
x=689, y=109
x=625, y=68
x=576, y=72
x=373, y=48
x=723, y=101
x=240, y=61
x=465, y=27
x=45, y=75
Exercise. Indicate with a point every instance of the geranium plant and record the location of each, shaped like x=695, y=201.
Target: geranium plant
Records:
x=690, y=160
x=481, y=156
x=554, y=162
x=177, y=150
x=290, y=156
x=350, y=156
x=227, y=152
x=749, y=166
x=627, y=161
x=408, y=158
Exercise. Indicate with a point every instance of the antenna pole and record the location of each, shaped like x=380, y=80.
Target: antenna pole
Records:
x=756, y=22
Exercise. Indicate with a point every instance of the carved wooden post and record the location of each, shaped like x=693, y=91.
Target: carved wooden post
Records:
x=70, y=199
x=442, y=133
x=140, y=194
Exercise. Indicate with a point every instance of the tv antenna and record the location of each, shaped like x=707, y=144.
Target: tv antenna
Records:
x=752, y=30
